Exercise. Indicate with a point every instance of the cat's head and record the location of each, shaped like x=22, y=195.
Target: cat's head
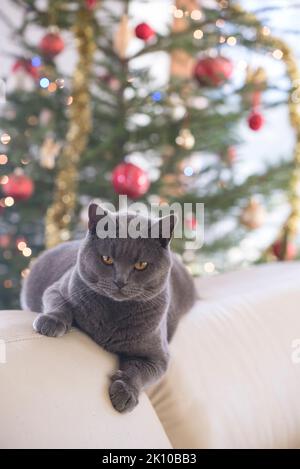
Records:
x=126, y=268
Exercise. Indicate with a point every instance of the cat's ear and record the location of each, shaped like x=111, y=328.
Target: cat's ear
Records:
x=96, y=213
x=163, y=229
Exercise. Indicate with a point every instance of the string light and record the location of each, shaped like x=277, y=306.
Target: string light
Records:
x=222, y=39
x=5, y=138
x=231, y=41
x=60, y=82
x=157, y=96
x=4, y=180
x=44, y=82
x=277, y=54
x=21, y=245
x=52, y=87
x=3, y=159
x=69, y=100
x=266, y=31
x=178, y=13
x=25, y=161
x=9, y=201
x=65, y=235
x=185, y=139
x=209, y=267
x=36, y=61
x=198, y=34
x=196, y=15
x=220, y=23
x=27, y=252
x=188, y=171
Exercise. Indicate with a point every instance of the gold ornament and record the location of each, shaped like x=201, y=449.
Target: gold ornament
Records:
x=122, y=37
x=281, y=51
x=256, y=76
x=253, y=215
x=182, y=63
x=60, y=213
x=49, y=152
x=171, y=185
x=185, y=139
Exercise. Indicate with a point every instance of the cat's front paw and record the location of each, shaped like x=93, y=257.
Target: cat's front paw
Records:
x=123, y=396
x=49, y=325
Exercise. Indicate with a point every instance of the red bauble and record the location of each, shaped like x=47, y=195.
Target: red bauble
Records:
x=26, y=66
x=128, y=179
x=231, y=154
x=256, y=120
x=19, y=186
x=144, y=31
x=291, y=250
x=191, y=222
x=213, y=71
x=52, y=44
x=91, y=4
x=5, y=240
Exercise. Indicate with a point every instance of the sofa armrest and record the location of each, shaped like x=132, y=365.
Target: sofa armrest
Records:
x=54, y=393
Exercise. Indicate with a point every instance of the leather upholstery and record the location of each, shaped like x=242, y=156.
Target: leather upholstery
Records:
x=54, y=394
x=232, y=382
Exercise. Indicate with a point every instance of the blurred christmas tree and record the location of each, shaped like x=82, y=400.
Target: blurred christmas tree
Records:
x=107, y=129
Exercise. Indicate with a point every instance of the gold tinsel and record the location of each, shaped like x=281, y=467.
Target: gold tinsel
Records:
x=283, y=52
x=59, y=215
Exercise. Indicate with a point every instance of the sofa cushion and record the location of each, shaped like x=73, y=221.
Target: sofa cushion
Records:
x=54, y=393
x=234, y=377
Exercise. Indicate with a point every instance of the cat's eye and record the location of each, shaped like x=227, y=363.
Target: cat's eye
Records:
x=140, y=265
x=107, y=260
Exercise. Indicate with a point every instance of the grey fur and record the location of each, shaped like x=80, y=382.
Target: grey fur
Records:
x=70, y=285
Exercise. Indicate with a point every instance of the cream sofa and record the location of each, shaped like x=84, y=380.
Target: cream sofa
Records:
x=233, y=381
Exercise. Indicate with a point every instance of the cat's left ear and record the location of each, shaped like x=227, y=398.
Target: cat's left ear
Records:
x=96, y=213
x=165, y=228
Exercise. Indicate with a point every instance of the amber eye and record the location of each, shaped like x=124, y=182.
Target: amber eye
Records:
x=140, y=265
x=107, y=260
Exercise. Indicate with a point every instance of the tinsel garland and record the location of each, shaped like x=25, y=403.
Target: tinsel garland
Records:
x=264, y=38
x=59, y=214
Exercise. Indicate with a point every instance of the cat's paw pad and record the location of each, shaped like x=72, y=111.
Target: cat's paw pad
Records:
x=49, y=325
x=123, y=396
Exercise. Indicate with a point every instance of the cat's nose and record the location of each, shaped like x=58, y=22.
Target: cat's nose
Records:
x=119, y=283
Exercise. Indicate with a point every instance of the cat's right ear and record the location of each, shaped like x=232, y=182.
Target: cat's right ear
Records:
x=96, y=213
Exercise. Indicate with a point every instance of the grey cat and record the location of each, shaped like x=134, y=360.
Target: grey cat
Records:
x=127, y=294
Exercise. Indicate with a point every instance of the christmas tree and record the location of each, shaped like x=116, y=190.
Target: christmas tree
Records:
x=108, y=128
